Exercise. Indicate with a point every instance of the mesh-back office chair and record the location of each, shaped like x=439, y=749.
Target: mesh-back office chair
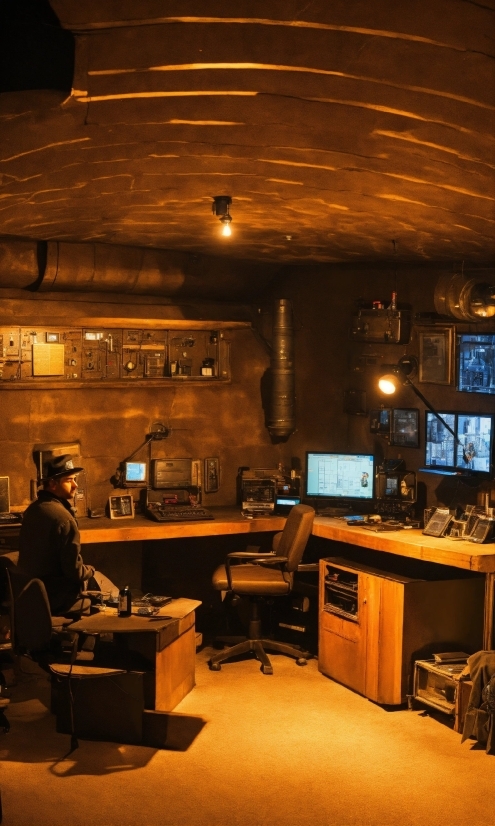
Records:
x=256, y=576
x=48, y=640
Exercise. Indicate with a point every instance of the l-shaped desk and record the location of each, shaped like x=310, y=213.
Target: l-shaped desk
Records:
x=412, y=544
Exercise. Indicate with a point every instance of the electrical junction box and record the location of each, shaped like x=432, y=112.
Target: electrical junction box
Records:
x=381, y=326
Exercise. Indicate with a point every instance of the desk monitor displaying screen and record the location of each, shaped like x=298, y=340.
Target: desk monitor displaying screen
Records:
x=476, y=363
x=470, y=453
x=136, y=473
x=340, y=478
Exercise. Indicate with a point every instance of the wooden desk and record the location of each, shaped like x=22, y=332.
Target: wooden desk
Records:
x=226, y=521
x=169, y=644
x=415, y=545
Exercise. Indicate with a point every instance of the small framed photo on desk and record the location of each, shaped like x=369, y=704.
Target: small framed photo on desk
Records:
x=121, y=507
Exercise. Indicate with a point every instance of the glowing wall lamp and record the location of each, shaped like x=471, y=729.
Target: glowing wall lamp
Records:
x=220, y=207
x=401, y=373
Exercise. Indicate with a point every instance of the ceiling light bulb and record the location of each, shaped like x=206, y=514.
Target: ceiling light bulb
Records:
x=226, y=221
x=388, y=384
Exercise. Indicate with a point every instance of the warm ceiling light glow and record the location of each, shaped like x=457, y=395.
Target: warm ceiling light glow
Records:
x=226, y=230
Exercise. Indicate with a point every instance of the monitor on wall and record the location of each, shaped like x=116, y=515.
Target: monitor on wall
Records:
x=469, y=453
x=340, y=478
x=476, y=363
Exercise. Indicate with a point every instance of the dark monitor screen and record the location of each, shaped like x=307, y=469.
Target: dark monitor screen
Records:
x=404, y=430
x=470, y=452
x=346, y=477
x=476, y=363
x=135, y=472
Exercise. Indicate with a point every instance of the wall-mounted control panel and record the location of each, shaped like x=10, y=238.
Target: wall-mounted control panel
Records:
x=381, y=326
x=211, y=475
x=95, y=355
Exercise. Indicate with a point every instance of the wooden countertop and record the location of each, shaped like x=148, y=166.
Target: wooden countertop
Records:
x=226, y=521
x=460, y=553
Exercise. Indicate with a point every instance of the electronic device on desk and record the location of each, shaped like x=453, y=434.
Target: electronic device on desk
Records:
x=396, y=490
x=173, y=506
x=258, y=491
x=171, y=473
x=438, y=523
x=135, y=474
x=338, y=483
x=476, y=363
x=283, y=504
x=469, y=454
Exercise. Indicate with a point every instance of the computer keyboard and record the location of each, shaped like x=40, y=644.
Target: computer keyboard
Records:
x=177, y=513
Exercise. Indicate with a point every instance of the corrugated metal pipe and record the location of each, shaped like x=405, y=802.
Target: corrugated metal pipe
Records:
x=281, y=412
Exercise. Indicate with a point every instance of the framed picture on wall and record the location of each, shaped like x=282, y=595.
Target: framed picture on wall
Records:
x=435, y=355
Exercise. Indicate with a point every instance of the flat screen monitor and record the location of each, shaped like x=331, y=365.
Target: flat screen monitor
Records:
x=346, y=478
x=469, y=453
x=404, y=430
x=476, y=363
x=135, y=473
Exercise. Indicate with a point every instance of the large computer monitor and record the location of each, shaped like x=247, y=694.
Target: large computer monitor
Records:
x=345, y=479
x=469, y=453
x=476, y=363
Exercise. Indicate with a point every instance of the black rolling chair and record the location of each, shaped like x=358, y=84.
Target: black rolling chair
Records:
x=48, y=640
x=257, y=576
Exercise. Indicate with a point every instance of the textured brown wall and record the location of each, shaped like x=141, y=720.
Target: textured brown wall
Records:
x=227, y=420
x=324, y=299
x=208, y=420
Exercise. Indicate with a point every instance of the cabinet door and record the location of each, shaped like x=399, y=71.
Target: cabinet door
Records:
x=384, y=644
x=342, y=643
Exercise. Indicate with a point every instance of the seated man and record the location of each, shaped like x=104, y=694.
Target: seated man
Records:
x=49, y=543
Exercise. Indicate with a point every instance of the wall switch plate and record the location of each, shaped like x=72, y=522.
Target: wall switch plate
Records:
x=211, y=478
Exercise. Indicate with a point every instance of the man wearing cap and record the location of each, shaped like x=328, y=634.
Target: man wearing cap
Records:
x=49, y=542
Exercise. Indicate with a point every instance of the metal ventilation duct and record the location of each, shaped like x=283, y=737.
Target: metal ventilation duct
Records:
x=281, y=415
x=467, y=299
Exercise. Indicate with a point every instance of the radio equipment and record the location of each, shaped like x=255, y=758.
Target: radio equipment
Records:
x=171, y=473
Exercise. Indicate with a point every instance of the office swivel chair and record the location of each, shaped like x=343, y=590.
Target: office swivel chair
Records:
x=259, y=575
x=48, y=640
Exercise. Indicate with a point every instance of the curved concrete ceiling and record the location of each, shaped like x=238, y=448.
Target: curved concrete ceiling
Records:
x=343, y=131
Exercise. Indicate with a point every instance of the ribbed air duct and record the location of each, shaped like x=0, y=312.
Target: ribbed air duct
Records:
x=281, y=414
x=467, y=299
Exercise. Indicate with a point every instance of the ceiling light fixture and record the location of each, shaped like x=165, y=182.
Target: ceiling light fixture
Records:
x=220, y=207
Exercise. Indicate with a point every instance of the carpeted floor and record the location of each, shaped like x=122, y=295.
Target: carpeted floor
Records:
x=290, y=749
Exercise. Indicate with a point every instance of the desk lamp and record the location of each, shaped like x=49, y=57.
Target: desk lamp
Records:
x=401, y=373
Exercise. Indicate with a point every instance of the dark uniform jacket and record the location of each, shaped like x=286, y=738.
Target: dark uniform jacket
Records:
x=50, y=549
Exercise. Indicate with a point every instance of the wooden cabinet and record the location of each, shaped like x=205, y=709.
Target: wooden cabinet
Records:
x=374, y=625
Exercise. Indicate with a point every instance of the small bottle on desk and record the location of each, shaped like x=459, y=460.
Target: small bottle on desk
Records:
x=125, y=602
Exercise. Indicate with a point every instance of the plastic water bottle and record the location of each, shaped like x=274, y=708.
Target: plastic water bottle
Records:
x=125, y=602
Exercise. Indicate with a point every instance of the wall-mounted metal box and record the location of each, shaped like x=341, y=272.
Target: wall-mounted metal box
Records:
x=385, y=326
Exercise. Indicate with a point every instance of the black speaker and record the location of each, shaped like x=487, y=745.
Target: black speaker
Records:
x=4, y=495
